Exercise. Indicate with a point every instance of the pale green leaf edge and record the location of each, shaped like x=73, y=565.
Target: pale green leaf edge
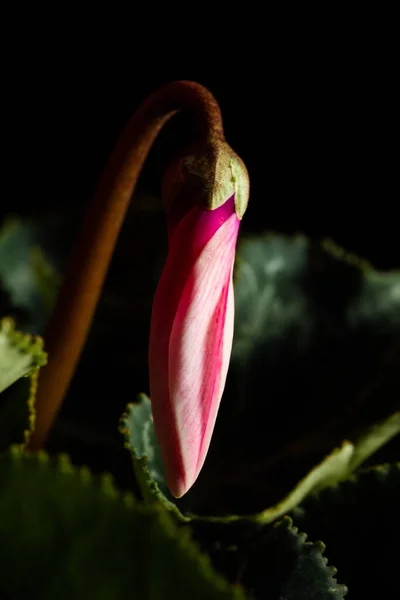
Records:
x=336, y=467
x=149, y=488
x=24, y=345
x=31, y=407
x=33, y=347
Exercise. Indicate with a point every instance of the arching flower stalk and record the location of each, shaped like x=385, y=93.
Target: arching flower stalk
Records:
x=205, y=194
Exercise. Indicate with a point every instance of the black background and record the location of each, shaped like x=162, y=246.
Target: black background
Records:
x=314, y=119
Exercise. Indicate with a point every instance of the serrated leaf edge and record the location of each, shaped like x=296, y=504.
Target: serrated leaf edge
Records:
x=31, y=407
x=319, y=546
x=106, y=486
x=25, y=343
x=150, y=490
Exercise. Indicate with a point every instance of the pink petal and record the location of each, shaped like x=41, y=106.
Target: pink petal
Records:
x=191, y=339
x=196, y=351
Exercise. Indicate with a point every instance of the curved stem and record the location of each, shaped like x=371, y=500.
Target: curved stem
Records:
x=87, y=269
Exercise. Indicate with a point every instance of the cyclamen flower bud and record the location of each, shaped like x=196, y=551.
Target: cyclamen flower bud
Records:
x=193, y=311
x=192, y=321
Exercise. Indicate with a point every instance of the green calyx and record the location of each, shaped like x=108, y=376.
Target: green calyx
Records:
x=229, y=176
x=208, y=176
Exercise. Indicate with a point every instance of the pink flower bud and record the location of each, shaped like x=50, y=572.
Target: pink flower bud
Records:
x=191, y=338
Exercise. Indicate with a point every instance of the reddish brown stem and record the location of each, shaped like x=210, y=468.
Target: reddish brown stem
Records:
x=73, y=314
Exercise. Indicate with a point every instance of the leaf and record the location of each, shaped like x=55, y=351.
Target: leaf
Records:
x=358, y=521
x=17, y=412
x=316, y=311
x=283, y=565
x=334, y=468
x=21, y=356
x=137, y=427
x=78, y=538
x=270, y=561
x=373, y=439
x=314, y=363
x=26, y=275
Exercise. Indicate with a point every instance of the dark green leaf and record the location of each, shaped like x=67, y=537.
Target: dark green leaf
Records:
x=358, y=521
x=283, y=565
x=314, y=318
x=65, y=535
x=26, y=276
